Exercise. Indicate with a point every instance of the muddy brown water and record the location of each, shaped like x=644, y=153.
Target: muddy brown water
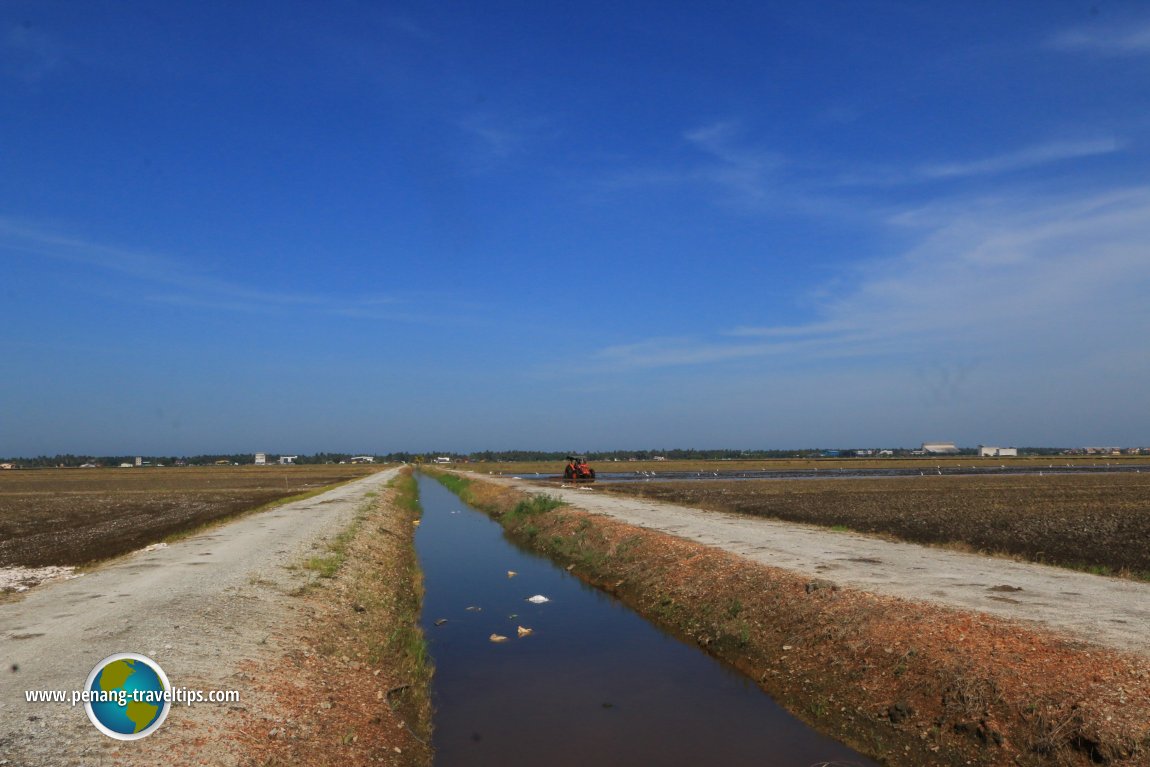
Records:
x=594, y=683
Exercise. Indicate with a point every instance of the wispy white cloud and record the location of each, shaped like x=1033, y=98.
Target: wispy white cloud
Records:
x=500, y=138
x=1028, y=157
x=743, y=170
x=989, y=278
x=158, y=279
x=1130, y=40
x=720, y=162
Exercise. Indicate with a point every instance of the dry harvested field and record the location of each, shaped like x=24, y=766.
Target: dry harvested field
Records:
x=1098, y=522
x=75, y=516
x=806, y=464
x=908, y=682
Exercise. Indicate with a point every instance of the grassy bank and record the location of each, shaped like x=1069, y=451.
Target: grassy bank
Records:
x=355, y=690
x=908, y=683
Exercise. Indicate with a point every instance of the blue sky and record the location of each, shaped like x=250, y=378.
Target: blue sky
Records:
x=375, y=226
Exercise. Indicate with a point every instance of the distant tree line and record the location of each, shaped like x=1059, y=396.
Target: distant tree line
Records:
x=502, y=456
x=69, y=460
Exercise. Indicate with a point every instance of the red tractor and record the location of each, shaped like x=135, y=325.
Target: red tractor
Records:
x=577, y=469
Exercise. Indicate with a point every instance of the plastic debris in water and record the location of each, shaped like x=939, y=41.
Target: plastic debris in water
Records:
x=511, y=573
x=538, y=599
x=497, y=638
x=525, y=632
x=440, y=621
x=474, y=609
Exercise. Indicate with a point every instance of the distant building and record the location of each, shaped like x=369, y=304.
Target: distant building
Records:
x=939, y=448
x=996, y=452
x=442, y=459
x=287, y=460
x=139, y=460
x=7, y=466
x=261, y=459
x=362, y=459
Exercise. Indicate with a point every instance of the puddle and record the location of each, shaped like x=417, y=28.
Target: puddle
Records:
x=592, y=683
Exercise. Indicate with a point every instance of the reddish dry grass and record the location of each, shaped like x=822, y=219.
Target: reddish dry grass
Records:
x=910, y=683
x=350, y=693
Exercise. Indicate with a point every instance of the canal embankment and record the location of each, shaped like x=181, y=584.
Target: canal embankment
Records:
x=534, y=666
x=907, y=682
x=349, y=683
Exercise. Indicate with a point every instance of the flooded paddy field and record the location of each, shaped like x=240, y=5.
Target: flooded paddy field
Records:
x=578, y=679
x=52, y=517
x=1093, y=521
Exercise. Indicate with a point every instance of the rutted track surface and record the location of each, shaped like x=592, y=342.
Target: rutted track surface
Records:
x=1108, y=611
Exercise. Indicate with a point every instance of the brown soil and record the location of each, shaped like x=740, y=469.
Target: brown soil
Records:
x=906, y=682
x=349, y=688
x=1075, y=521
x=76, y=516
x=924, y=463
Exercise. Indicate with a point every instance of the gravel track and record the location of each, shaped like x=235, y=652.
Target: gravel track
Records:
x=199, y=607
x=1108, y=611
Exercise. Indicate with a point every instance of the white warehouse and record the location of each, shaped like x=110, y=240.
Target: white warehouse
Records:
x=996, y=452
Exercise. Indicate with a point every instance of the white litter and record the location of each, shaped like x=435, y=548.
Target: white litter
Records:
x=538, y=599
x=24, y=578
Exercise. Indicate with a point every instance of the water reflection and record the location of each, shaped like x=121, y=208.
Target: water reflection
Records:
x=593, y=684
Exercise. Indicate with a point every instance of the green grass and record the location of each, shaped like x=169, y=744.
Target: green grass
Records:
x=327, y=565
x=453, y=482
x=533, y=506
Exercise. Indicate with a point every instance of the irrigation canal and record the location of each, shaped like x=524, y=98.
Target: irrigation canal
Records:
x=593, y=683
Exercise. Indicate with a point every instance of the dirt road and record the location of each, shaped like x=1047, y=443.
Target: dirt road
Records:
x=1108, y=611
x=198, y=607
